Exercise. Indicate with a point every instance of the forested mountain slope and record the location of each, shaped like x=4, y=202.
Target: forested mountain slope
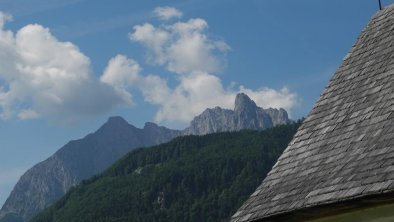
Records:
x=49, y=180
x=191, y=178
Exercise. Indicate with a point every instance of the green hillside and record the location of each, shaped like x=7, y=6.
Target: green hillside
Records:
x=191, y=178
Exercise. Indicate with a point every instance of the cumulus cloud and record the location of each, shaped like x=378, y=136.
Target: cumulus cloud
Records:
x=186, y=49
x=182, y=47
x=154, y=39
x=28, y=114
x=121, y=73
x=193, y=94
x=267, y=97
x=199, y=91
x=41, y=76
x=167, y=13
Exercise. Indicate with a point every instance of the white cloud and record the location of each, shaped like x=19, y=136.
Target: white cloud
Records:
x=192, y=96
x=43, y=77
x=28, y=114
x=167, y=13
x=267, y=97
x=183, y=47
x=121, y=73
x=155, y=90
x=199, y=91
x=154, y=39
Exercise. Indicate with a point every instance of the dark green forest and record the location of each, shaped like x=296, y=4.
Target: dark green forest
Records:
x=191, y=178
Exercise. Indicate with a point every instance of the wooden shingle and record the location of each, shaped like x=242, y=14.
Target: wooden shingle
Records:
x=344, y=150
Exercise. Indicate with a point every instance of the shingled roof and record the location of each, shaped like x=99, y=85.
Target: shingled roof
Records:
x=344, y=150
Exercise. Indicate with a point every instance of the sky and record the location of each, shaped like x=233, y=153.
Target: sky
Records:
x=66, y=66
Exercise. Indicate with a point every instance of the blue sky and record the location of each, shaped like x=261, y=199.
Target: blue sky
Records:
x=66, y=66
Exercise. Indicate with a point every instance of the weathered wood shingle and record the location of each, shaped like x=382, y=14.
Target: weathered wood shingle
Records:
x=345, y=147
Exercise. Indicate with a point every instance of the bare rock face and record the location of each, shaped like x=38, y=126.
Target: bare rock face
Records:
x=246, y=115
x=211, y=120
x=49, y=180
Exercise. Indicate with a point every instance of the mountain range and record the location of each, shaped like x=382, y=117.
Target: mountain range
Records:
x=49, y=180
x=189, y=179
x=77, y=160
x=246, y=115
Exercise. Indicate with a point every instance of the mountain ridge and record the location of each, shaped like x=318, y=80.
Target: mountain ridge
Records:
x=191, y=178
x=80, y=159
x=245, y=115
x=50, y=179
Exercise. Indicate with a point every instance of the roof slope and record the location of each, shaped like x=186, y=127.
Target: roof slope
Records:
x=345, y=148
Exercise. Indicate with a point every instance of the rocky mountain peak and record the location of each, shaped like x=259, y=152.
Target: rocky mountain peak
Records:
x=150, y=125
x=243, y=103
x=116, y=121
x=113, y=127
x=77, y=160
x=246, y=115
